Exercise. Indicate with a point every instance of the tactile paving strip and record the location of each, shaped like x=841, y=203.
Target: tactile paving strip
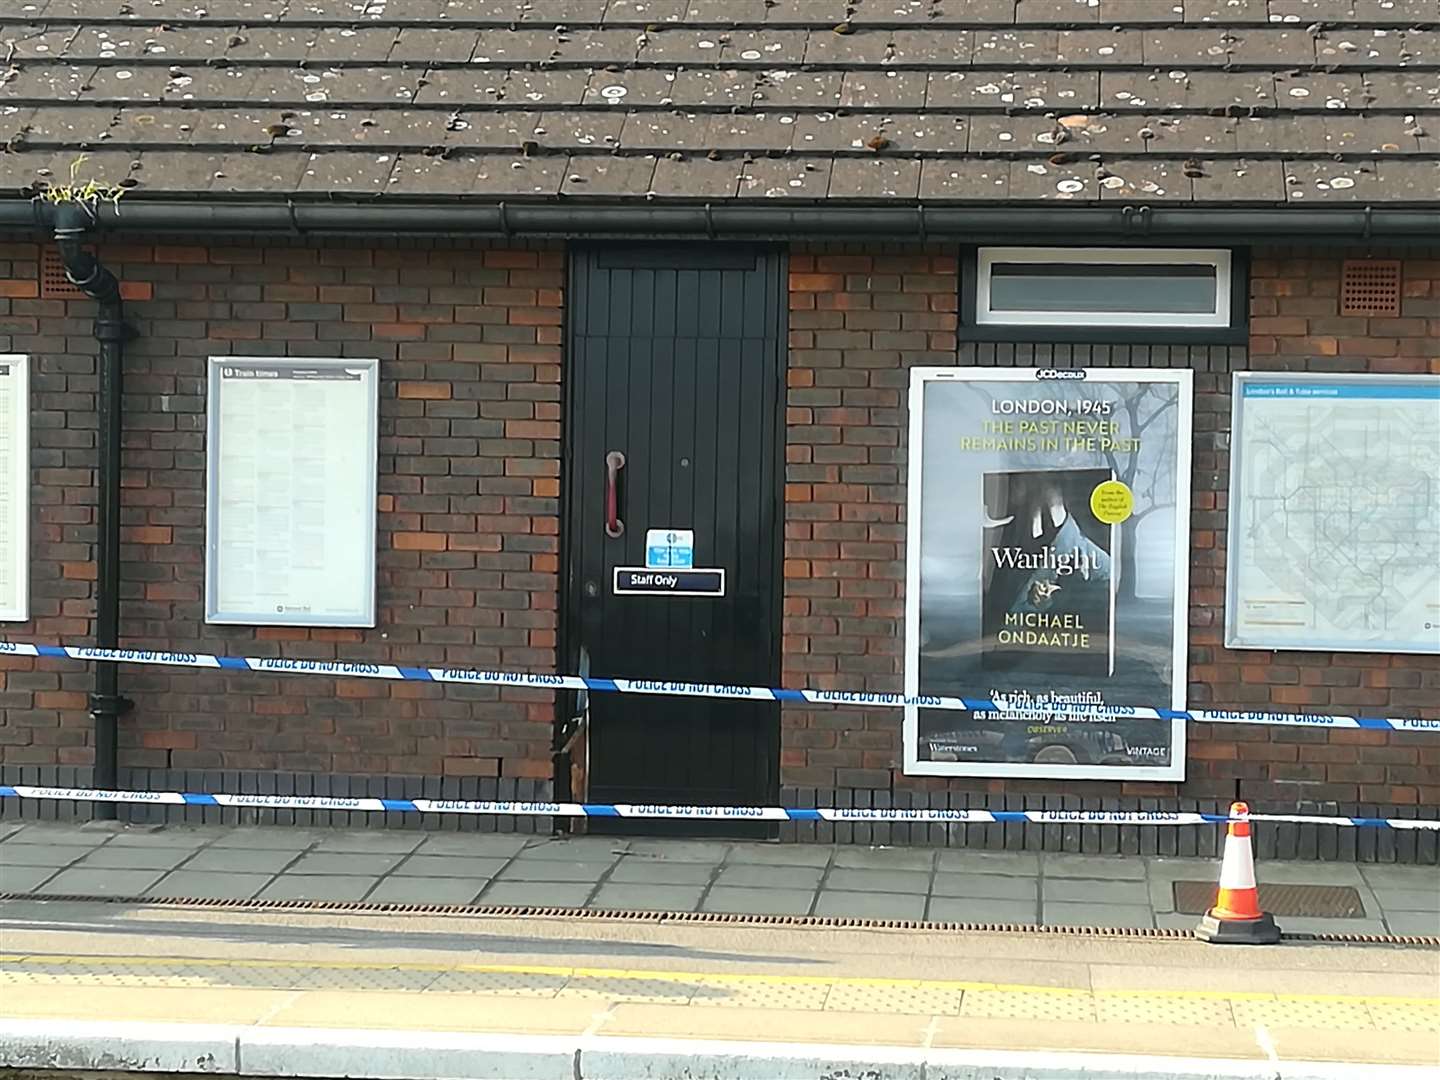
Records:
x=647, y=991
x=1303, y=1013
x=1023, y=1005
x=1398, y=1016
x=915, y=1000
x=738, y=994
x=1113, y=1008
x=873, y=996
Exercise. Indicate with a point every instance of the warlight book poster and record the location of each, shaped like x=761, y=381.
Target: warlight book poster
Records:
x=1047, y=567
x=1047, y=592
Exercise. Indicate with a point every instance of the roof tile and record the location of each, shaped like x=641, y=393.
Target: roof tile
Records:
x=839, y=99
x=965, y=181
x=702, y=179
x=601, y=175
x=875, y=178
x=791, y=177
x=883, y=89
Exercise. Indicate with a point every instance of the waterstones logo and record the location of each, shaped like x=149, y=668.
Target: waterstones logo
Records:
x=1014, y=558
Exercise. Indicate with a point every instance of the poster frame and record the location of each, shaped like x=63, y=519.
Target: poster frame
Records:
x=920, y=377
x=365, y=615
x=19, y=611
x=1309, y=643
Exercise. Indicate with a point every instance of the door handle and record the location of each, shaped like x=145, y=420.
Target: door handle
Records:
x=614, y=462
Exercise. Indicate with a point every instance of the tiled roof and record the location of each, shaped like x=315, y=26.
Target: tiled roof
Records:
x=1260, y=102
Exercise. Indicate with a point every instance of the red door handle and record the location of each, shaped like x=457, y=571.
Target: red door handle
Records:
x=614, y=462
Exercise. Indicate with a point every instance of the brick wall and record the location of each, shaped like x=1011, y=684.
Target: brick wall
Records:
x=470, y=348
x=858, y=322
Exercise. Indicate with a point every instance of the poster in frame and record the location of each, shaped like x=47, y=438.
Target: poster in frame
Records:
x=1047, y=563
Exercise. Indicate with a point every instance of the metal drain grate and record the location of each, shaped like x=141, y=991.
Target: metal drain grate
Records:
x=1309, y=901
x=341, y=907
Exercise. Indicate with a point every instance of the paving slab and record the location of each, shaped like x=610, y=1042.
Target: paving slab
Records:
x=624, y=897
x=351, y=865
x=1101, y=867
x=577, y=849
x=1022, y=863
x=1162, y=893
x=915, y=882
x=770, y=877
x=1183, y=869
x=1307, y=873
x=884, y=859
x=541, y=870
x=131, y=857
x=537, y=893
x=947, y=909
x=9, y=829
x=427, y=890
x=100, y=883
x=277, y=838
x=228, y=860
x=473, y=845
x=59, y=835
x=985, y=887
x=165, y=837
x=1408, y=899
x=204, y=885
x=1091, y=891
x=780, y=854
x=337, y=887
x=758, y=901
x=13, y=854
x=22, y=879
x=68, y=836
x=681, y=851
x=1401, y=877
x=1422, y=923
x=653, y=872
x=361, y=842
x=1068, y=914
x=459, y=866
x=869, y=905
x=1296, y=924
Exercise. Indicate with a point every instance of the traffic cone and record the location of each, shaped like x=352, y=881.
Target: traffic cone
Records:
x=1236, y=918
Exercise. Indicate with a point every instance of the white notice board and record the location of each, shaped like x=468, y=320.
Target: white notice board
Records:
x=14, y=488
x=1334, y=513
x=290, y=491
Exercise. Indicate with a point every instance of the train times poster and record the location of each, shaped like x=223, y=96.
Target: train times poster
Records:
x=1048, y=557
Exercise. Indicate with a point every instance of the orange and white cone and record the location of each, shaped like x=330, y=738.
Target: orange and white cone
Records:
x=1236, y=918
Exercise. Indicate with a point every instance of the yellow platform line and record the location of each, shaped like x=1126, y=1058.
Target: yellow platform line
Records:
x=710, y=978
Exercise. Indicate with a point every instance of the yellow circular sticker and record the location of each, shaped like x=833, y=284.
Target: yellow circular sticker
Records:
x=1112, y=502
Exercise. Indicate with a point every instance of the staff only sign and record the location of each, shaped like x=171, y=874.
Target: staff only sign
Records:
x=1047, y=569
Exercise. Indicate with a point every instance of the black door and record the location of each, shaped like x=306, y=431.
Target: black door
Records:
x=675, y=363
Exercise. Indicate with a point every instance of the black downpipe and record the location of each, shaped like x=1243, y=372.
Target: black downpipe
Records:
x=83, y=269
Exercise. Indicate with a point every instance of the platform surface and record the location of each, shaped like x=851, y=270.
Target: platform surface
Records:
x=942, y=885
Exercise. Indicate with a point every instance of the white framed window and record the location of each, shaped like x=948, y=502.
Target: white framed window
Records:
x=1096, y=286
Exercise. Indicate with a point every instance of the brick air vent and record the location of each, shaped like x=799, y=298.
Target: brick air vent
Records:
x=1370, y=288
x=54, y=285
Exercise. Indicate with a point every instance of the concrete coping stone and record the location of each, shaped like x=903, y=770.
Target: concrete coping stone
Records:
x=242, y=1050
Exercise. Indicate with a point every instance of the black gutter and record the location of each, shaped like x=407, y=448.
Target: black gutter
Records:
x=71, y=223
x=771, y=220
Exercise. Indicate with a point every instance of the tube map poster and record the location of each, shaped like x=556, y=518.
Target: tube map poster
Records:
x=1047, y=570
x=1334, y=513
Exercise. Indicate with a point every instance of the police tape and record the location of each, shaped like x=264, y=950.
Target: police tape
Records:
x=1018, y=706
x=520, y=808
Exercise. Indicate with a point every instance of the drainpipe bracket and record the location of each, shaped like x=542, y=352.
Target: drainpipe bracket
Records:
x=109, y=705
x=112, y=328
